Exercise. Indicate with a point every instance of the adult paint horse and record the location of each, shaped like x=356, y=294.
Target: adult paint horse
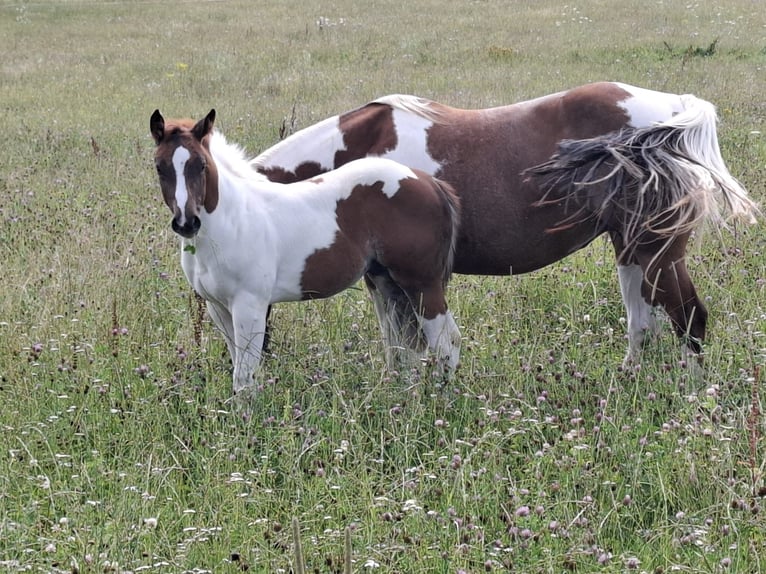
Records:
x=248, y=242
x=644, y=167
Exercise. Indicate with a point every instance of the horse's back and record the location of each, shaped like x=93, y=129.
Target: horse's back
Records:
x=483, y=153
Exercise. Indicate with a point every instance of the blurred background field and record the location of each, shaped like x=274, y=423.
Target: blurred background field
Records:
x=119, y=448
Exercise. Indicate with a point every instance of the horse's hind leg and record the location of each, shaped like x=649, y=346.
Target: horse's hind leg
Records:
x=667, y=283
x=267, y=332
x=642, y=322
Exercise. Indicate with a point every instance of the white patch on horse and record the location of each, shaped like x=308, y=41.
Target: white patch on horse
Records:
x=412, y=129
x=313, y=230
x=317, y=143
x=641, y=315
x=647, y=107
x=180, y=157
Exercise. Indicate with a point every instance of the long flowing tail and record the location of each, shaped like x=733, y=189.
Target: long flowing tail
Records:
x=452, y=202
x=658, y=181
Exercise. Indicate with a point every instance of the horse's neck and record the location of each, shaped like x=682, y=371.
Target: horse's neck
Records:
x=308, y=143
x=240, y=187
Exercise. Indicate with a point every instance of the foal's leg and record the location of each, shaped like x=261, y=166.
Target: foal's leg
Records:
x=267, y=332
x=642, y=323
x=222, y=319
x=667, y=283
x=443, y=338
x=249, y=322
x=399, y=325
x=438, y=325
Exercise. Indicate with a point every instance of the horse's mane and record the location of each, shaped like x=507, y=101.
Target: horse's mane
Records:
x=413, y=104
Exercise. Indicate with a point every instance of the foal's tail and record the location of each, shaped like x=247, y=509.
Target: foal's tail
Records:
x=659, y=181
x=452, y=202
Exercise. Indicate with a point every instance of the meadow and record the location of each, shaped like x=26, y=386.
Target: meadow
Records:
x=120, y=447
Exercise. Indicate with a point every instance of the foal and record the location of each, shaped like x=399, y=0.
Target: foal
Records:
x=247, y=242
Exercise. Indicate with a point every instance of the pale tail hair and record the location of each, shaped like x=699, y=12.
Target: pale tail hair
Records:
x=664, y=179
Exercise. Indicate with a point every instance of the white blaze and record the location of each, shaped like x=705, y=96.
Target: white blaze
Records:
x=180, y=157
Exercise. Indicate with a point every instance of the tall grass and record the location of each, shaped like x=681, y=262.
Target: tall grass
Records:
x=120, y=450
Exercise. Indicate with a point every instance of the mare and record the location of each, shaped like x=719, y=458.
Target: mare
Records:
x=647, y=169
x=247, y=242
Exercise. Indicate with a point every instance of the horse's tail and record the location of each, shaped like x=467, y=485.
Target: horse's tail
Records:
x=452, y=202
x=659, y=181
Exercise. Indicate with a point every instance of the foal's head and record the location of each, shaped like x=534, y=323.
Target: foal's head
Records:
x=188, y=175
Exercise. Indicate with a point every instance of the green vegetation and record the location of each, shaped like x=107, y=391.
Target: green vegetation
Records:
x=120, y=449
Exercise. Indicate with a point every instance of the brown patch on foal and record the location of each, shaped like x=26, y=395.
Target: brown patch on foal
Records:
x=376, y=227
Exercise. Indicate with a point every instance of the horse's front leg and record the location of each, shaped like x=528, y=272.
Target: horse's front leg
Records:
x=249, y=322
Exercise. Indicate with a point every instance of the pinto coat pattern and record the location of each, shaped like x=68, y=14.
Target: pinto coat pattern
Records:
x=512, y=223
x=247, y=243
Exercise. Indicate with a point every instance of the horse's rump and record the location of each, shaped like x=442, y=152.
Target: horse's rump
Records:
x=649, y=184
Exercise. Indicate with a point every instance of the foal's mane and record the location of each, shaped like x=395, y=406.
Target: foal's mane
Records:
x=231, y=157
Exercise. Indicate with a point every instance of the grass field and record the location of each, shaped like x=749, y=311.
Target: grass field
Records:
x=120, y=450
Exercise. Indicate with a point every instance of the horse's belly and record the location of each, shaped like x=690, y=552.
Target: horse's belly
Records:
x=518, y=247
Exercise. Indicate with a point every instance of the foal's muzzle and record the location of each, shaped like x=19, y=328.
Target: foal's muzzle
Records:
x=189, y=229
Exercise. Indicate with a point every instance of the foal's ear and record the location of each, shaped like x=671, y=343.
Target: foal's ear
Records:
x=157, y=126
x=204, y=126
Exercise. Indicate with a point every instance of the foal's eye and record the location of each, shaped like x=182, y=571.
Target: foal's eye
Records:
x=161, y=173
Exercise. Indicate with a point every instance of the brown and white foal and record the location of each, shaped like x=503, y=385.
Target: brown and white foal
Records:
x=247, y=242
